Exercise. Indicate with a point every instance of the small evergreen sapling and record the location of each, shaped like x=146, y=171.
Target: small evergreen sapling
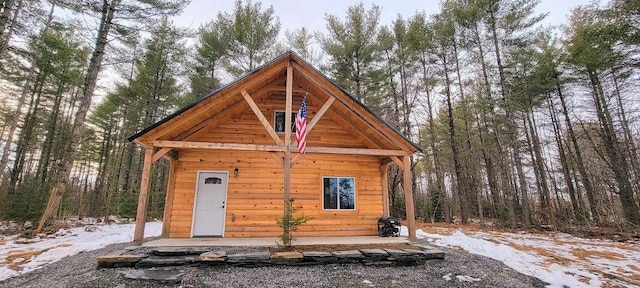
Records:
x=289, y=223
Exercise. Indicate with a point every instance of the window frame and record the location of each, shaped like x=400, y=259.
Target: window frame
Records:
x=338, y=209
x=293, y=121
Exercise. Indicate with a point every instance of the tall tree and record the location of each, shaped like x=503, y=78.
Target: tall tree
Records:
x=128, y=10
x=302, y=42
x=353, y=51
x=251, y=32
x=211, y=48
x=592, y=49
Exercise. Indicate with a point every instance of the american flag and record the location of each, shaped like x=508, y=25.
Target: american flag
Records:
x=301, y=126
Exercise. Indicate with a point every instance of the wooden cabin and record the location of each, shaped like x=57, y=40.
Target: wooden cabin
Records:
x=234, y=159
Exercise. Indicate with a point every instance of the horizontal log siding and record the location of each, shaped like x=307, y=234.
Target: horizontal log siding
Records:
x=254, y=198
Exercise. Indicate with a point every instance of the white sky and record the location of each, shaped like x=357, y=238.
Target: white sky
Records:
x=295, y=14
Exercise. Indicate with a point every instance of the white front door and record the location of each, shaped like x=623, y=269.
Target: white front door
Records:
x=210, y=203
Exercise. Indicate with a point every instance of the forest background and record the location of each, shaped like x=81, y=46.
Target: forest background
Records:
x=522, y=124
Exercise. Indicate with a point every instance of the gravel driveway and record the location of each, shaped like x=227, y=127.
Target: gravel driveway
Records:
x=79, y=271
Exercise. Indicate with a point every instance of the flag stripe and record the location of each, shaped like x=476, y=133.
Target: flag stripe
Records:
x=301, y=126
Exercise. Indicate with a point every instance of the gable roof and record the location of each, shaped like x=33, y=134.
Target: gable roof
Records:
x=223, y=97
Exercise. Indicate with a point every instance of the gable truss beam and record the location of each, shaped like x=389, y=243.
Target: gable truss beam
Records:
x=329, y=91
x=341, y=119
x=226, y=114
x=262, y=119
x=320, y=113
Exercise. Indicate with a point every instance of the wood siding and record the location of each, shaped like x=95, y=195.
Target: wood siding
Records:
x=255, y=196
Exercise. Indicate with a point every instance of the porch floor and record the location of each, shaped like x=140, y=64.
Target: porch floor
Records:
x=273, y=241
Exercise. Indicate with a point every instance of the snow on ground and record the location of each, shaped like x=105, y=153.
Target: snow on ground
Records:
x=556, y=258
x=20, y=255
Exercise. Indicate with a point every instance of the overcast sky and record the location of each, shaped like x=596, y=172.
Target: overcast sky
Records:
x=295, y=14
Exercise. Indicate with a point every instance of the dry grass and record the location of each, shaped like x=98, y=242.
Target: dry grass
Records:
x=3, y=242
x=583, y=254
x=16, y=259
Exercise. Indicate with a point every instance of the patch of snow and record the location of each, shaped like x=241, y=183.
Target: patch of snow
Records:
x=558, y=259
x=69, y=242
x=404, y=231
x=467, y=278
x=447, y=276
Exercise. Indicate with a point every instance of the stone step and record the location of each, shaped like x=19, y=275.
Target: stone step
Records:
x=164, y=275
x=213, y=256
x=118, y=261
x=179, y=251
x=178, y=256
x=154, y=261
x=350, y=256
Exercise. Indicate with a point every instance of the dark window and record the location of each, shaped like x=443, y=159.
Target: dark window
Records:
x=279, y=121
x=213, y=180
x=339, y=193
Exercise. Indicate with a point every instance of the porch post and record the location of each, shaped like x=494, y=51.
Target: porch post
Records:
x=287, y=138
x=385, y=189
x=143, y=198
x=408, y=197
x=168, y=202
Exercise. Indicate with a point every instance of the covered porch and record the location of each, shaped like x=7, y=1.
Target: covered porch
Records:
x=273, y=241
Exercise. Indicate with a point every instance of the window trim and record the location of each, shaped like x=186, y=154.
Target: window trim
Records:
x=293, y=122
x=355, y=194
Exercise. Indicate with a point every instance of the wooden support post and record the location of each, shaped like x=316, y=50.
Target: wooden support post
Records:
x=168, y=202
x=289, y=99
x=143, y=198
x=287, y=139
x=287, y=179
x=384, y=168
x=408, y=197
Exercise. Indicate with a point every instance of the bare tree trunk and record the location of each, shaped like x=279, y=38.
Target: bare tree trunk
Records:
x=616, y=160
x=513, y=136
x=471, y=186
x=462, y=201
x=433, y=140
x=45, y=154
x=564, y=162
x=630, y=144
x=584, y=176
x=95, y=64
x=7, y=8
x=538, y=160
x=504, y=175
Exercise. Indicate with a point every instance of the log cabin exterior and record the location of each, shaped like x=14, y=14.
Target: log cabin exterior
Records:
x=234, y=160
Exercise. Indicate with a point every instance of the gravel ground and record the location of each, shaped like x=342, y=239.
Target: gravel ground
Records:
x=79, y=271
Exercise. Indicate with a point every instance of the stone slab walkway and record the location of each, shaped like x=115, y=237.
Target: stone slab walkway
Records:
x=153, y=257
